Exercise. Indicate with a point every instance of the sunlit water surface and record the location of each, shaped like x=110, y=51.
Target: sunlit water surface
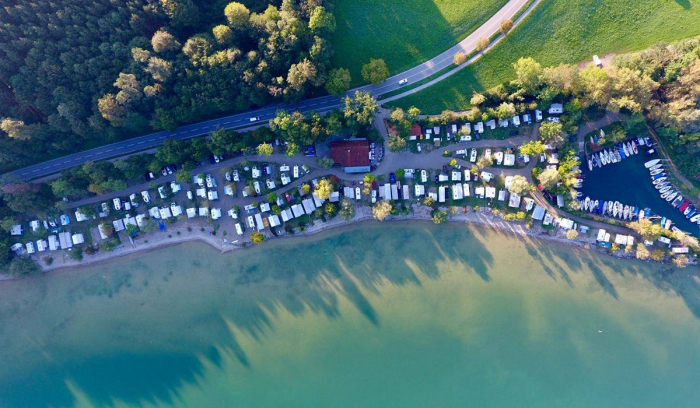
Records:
x=380, y=315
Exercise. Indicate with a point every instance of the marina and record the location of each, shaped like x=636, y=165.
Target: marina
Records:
x=634, y=186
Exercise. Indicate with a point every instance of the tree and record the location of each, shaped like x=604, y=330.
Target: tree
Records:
x=359, y=109
x=642, y=252
x=550, y=132
x=382, y=209
x=549, y=178
x=163, y=41
x=22, y=267
x=528, y=74
x=571, y=234
x=687, y=240
x=482, y=43
x=132, y=229
x=237, y=15
x=330, y=209
x=323, y=189
x=321, y=21
x=519, y=185
x=505, y=110
x=265, y=149
x=15, y=129
x=658, y=255
x=412, y=113
x=292, y=149
x=477, y=99
x=305, y=188
x=325, y=162
x=223, y=34
x=339, y=81
x=347, y=209
x=531, y=148
x=428, y=201
x=396, y=142
x=257, y=238
x=506, y=25
x=300, y=74
x=375, y=71
x=439, y=217
x=272, y=198
x=484, y=162
x=149, y=225
x=460, y=58
x=647, y=229
x=680, y=261
x=453, y=162
x=183, y=176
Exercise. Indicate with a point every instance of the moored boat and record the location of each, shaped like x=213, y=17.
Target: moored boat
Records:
x=671, y=196
x=677, y=201
x=660, y=180
x=684, y=206
x=651, y=163
x=626, y=212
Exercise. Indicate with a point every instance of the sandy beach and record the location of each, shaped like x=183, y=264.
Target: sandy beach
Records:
x=191, y=230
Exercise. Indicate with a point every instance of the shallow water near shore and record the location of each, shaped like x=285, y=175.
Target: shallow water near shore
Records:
x=377, y=315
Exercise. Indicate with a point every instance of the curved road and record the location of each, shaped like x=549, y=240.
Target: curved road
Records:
x=243, y=120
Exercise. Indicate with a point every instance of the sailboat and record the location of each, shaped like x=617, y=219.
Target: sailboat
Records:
x=590, y=165
x=634, y=148
x=695, y=218
x=656, y=167
x=655, y=172
x=625, y=212
x=621, y=149
x=660, y=180
x=671, y=196
x=605, y=207
x=658, y=176
x=617, y=155
x=615, y=209
x=651, y=163
x=677, y=201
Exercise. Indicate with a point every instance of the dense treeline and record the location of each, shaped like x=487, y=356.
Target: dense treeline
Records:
x=77, y=73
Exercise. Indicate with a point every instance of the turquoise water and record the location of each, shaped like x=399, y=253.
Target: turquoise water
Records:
x=381, y=315
x=629, y=183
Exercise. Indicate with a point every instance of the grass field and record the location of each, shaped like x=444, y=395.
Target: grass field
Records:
x=566, y=31
x=402, y=32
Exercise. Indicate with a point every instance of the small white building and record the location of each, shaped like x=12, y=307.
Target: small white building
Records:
x=165, y=213
x=41, y=245
x=456, y=175
x=441, y=194
x=556, y=109
x=53, y=243
x=491, y=124
x=486, y=176
x=204, y=212
x=212, y=195
x=457, y=192
x=514, y=201
x=265, y=207
x=309, y=206
x=16, y=230
x=215, y=213
x=490, y=192
x=78, y=239
x=287, y=215
x=419, y=190
x=538, y=214
x=191, y=212
x=298, y=210
x=274, y=221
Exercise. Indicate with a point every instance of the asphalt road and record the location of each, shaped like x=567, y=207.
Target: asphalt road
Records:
x=242, y=120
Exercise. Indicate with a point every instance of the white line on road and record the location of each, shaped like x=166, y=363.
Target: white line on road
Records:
x=140, y=142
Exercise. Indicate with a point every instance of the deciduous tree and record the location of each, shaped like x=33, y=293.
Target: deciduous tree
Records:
x=375, y=71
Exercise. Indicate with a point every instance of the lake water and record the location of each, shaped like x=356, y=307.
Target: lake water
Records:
x=629, y=183
x=380, y=315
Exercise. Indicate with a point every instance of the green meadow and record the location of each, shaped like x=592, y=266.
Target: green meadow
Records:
x=568, y=31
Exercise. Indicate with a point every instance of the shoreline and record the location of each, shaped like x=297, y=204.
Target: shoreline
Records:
x=186, y=233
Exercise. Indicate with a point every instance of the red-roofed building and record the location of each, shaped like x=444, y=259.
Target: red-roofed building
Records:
x=415, y=131
x=353, y=155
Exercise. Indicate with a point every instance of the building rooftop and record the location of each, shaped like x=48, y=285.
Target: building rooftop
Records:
x=351, y=153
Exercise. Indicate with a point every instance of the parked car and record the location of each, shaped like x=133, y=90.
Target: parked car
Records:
x=286, y=196
x=150, y=176
x=132, y=199
x=392, y=178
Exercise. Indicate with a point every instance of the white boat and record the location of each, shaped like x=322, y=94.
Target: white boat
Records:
x=610, y=207
x=655, y=172
x=671, y=196
x=594, y=206
x=656, y=167
x=586, y=203
x=625, y=151
x=590, y=165
x=634, y=148
x=695, y=218
x=618, y=157
x=605, y=207
x=626, y=212
x=660, y=180
x=652, y=163
x=663, y=187
x=668, y=224
x=629, y=148
x=615, y=209
x=607, y=157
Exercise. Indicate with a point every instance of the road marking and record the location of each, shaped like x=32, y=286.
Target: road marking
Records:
x=32, y=172
x=120, y=147
x=109, y=150
x=162, y=137
x=226, y=123
x=140, y=142
x=130, y=145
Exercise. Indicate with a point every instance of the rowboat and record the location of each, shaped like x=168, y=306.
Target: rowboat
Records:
x=651, y=163
x=658, y=176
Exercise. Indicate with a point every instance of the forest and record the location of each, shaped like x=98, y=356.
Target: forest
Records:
x=79, y=74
